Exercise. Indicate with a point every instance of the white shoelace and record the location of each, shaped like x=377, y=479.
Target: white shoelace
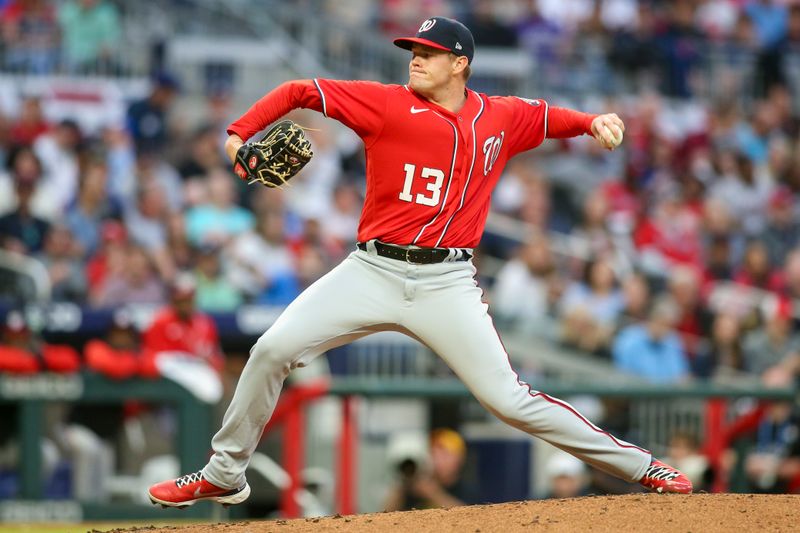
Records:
x=189, y=478
x=660, y=472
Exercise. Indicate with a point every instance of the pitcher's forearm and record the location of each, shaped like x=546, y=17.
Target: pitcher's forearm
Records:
x=232, y=145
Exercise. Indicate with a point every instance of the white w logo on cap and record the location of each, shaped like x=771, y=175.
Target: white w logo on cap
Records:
x=428, y=24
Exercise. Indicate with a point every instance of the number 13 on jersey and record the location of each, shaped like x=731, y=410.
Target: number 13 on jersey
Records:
x=434, y=185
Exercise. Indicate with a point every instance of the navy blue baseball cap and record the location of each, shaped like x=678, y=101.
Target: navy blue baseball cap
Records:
x=442, y=33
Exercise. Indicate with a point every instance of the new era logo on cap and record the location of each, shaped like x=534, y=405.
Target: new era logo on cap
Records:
x=442, y=33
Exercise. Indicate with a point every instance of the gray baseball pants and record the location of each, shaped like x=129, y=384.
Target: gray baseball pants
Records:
x=438, y=304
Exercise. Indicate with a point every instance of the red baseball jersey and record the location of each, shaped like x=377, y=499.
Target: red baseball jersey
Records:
x=197, y=336
x=430, y=172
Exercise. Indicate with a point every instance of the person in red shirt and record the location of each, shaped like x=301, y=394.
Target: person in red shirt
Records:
x=434, y=151
x=181, y=329
x=30, y=124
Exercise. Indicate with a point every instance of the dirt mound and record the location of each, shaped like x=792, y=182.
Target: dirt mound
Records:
x=640, y=512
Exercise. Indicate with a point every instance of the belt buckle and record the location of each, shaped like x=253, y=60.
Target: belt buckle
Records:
x=408, y=256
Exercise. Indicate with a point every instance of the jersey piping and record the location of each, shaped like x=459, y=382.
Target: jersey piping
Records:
x=449, y=180
x=322, y=95
x=469, y=175
x=546, y=109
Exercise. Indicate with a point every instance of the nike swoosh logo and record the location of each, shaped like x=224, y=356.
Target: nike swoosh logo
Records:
x=414, y=110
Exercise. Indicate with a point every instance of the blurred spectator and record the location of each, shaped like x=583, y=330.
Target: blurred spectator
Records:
x=684, y=451
x=636, y=299
x=17, y=351
x=30, y=35
x=756, y=270
x=147, y=118
x=678, y=45
x=215, y=293
x=313, y=253
x=312, y=190
x=219, y=220
x=632, y=50
x=726, y=355
x=717, y=263
x=180, y=329
x=92, y=205
x=723, y=246
x=133, y=280
x=429, y=484
x=520, y=295
x=736, y=52
x=624, y=200
x=21, y=230
x=120, y=155
x=590, y=308
x=145, y=221
x=592, y=231
x=148, y=169
x=181, y=252
x=536, y=208
x=510, y=193
x=401, y=17
x=341, y=221
x=57, y=150
x=775, y=63
x=116, y=356
x=29, y=124
x=91, y=35
x=567, y=15
x=24, y=350
x=791, y=273
x=93, y=433
x=652, y=350
x=783, y=227
x=204, y=154
x=775, y=341
x=753, y=141
x=486, y=29
x=261, y=262
x=108, y=258
x=24, y=163
x=717, y=18
x=566, y=476
x=769, y=20
x=542, y=38
x=773, y=465
x=694, y=321
x=669, y=236
x=61, y=257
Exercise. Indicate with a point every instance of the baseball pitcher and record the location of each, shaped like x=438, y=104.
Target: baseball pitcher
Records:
x=434, y=150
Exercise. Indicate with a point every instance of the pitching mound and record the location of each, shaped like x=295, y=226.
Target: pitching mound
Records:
x=640, y=512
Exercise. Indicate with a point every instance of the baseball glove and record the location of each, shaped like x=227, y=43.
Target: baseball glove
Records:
x=276, y=158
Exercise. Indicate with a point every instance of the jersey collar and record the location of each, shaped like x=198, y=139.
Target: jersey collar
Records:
x=469, y=108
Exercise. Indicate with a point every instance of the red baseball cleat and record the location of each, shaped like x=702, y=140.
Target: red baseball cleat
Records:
x=661, y=477
x=191, y=488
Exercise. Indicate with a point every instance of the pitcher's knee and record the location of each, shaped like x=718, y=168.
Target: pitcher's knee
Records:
x=271, y=356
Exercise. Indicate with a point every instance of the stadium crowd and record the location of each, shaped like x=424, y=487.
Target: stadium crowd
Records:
x=677, y=257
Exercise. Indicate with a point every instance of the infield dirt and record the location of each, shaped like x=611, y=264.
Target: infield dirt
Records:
x=697, y=513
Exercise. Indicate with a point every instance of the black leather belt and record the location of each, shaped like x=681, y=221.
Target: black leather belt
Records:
x=422, y=256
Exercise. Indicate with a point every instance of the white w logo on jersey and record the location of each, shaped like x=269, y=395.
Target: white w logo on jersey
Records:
x=491, y=150
x=428, y=24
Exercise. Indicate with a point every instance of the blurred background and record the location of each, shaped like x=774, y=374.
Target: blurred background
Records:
x=655, y=287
